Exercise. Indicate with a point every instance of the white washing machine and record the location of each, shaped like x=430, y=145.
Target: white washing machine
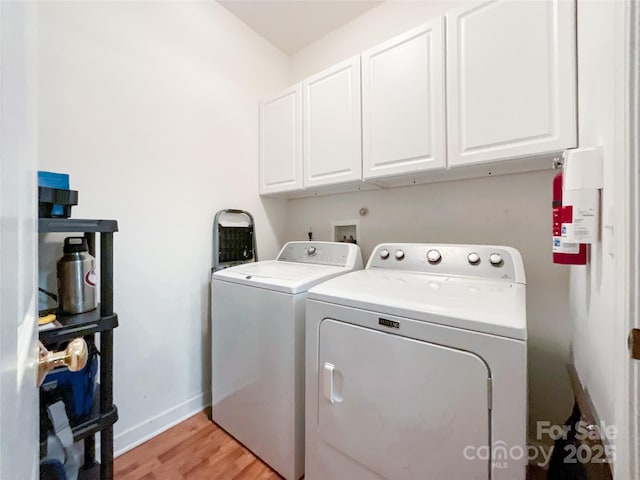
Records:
x=416, y=367
x=258, y=347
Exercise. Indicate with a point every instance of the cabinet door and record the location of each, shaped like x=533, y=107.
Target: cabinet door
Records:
x=511, y=80
x=281, y=142
x=403, y=103
x=332, y=125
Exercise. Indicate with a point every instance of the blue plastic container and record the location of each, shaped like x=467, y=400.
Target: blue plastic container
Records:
x=75, y=388
x=58, y=181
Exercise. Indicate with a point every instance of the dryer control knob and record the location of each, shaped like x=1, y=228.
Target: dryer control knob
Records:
x=434, y=256
x=473, y=258
x=399, y=254
x=495, y=259
x=311, y=251
x=384, y=254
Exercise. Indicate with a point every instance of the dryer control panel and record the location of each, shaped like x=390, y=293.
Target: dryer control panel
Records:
x=478, y=261
x=336, y=254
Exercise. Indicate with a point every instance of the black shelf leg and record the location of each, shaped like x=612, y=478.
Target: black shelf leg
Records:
x=106, y=403
x=106, y=454
x=106, y=353
x=106, y=274
x=89, y=451
x=91, y=243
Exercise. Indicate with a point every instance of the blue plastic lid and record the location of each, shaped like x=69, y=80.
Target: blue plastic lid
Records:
x=53, y=180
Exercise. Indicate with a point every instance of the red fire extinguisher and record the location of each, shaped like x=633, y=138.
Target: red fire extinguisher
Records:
x=564, y=253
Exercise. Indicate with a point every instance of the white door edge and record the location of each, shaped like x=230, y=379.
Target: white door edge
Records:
x=18, y=240
x=632, y=275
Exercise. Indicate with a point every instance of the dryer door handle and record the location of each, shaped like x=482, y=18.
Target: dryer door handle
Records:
x=331, y=383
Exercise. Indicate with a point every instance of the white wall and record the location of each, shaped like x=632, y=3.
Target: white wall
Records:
x=373, y=27
x=511, y=210
x=152, y=107
x=597, y=290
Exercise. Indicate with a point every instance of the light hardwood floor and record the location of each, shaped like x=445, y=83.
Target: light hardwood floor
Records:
x=196, y=449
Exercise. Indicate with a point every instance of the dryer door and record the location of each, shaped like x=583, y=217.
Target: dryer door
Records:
x=402, y=408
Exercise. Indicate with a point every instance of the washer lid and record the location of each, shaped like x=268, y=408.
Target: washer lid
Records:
x=493, y=307
x=286, y=277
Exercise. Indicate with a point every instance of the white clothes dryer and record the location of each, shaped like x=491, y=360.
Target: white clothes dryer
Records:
x=417, y=367
x=258, y=347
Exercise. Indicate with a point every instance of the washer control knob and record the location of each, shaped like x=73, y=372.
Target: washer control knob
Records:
x=495, y=259
x=473, y=258
x=434, y=256
x=384, y=254
x=311, y=251
x=399, y=254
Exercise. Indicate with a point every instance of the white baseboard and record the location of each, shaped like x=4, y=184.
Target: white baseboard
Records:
x=138, y=434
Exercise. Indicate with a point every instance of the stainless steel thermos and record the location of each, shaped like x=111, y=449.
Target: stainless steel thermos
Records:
x=76, y=277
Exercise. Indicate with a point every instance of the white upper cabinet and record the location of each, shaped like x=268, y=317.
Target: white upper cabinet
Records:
x=488, y=90
x=511, y=80
x=332, y=132
x=281, y=142
x=403, y=103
